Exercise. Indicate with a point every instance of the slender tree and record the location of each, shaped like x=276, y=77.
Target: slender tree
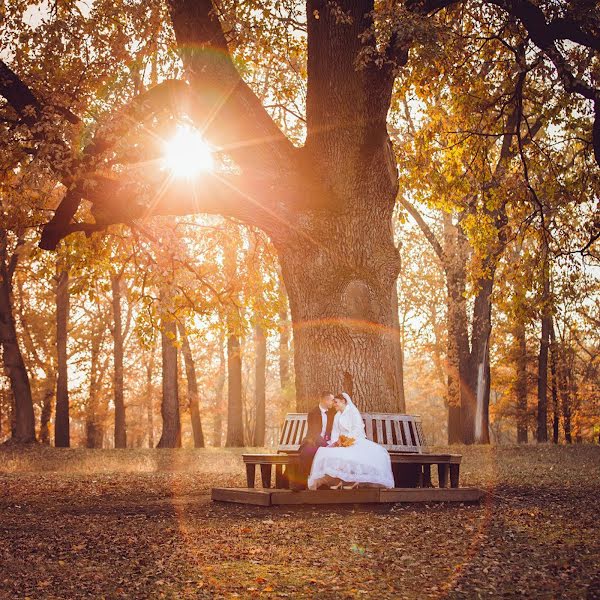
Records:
x=260, y=379
x=62, y=437
x=192, y=387
x=14, y=366
x=235, y=423
x=171, y=432
x=117, y=333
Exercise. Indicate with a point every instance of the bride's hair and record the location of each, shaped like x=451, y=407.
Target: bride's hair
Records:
x=341, y=397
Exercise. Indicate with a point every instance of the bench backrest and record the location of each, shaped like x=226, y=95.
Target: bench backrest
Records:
x=395, y=432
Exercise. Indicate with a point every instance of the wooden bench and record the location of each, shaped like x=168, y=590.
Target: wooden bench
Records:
x=401, y=435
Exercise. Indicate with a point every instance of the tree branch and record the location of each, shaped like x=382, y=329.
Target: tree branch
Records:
x=224, y=106
x=427, y=231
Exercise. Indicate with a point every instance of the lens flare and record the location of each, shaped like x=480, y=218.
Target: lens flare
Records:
x=187, y=154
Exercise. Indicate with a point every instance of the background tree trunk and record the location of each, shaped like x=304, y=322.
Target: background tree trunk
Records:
x=455, y=254
x=94, y=427
x=521, y=379
x=171, y=423
x=260, y=379
x=555, y=404
x=149, y=396
x=218, y=391
x=476, y=400
x=14, y=366
x=235, y=423
x=192, y=388
x=46, y=413
x=542, y=394
x=61, y=422
x=117, y=332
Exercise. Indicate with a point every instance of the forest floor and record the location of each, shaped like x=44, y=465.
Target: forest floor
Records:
x=140, y=524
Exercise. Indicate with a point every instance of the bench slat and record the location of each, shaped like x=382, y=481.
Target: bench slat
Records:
x=395, y=432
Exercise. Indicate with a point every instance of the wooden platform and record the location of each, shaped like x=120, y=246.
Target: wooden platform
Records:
x=271, y=496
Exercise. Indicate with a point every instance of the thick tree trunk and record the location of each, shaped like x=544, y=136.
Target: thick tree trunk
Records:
x=192, y=388
x=117, y=332
x=218, y=391
x=61, y=422
x=521, y=380
x=235, y=423
x=342, y=307
x=14, y=366
x=341, y=287
x=171, y=423
x=260, y=383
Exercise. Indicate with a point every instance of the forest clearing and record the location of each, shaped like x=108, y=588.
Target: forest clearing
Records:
x=139, y=524
x=353, y=244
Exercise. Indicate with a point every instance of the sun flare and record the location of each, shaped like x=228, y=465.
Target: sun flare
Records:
x=187, y=154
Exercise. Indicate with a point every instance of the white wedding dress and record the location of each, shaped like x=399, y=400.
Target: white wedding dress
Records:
x=364, y=462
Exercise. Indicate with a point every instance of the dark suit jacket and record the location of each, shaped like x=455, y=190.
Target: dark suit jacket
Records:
x=315, y=425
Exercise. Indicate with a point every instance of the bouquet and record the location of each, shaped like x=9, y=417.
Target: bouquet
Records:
x=345, y=441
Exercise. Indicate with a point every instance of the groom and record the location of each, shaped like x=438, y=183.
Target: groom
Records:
x=320, y=422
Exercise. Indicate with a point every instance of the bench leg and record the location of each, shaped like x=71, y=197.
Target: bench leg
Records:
x=265, y=472
x=407, y=475
x=427, y=476
x=279, y=477
x=454, y=474
x=443, y=475
x=250, y=472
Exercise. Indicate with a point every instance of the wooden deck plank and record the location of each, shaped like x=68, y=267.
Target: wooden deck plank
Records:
x=242, y=495
x=325, y=496
x=466, y=494
x=269, y=497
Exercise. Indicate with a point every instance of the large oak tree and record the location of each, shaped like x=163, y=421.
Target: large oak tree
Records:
x=326, y=206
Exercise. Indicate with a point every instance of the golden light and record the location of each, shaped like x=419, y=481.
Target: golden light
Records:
x=187, y=154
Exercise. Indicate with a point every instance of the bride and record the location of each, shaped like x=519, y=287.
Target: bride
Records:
x=350, y=459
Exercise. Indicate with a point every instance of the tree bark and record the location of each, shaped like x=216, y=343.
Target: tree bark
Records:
x=454, y=262
x=398, y=350
x=46, y=413
x=341, y=288
x=260, y=382
x=14, y=365
x=117, y=332
x=285, y=378
x=171, y=430
x=149, y=396
x=192, y=388
x=61, y=422
x=235, y=423
x=218, y=390
x=563, y=388
x=475, y=403
x=94, y=426
x=542, y=394
x=521, y=379
x=555, y=404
